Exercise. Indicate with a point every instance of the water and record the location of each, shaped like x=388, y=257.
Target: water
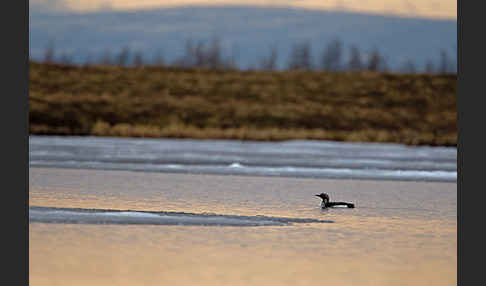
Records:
x=315, y=159
x=104, y=224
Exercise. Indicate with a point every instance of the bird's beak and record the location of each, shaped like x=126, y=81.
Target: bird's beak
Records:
x=318, y=196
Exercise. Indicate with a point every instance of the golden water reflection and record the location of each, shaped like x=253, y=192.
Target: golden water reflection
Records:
x=414, y=242
x=368, y=252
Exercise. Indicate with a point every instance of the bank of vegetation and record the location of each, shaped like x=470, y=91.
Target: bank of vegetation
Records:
x=177, y=102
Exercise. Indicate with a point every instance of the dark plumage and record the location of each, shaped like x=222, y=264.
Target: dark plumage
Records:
x=327, y=204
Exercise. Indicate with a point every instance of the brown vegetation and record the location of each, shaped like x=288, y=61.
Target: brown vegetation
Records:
x=259, y=105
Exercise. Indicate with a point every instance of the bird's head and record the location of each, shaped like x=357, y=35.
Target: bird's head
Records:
x=324, y=197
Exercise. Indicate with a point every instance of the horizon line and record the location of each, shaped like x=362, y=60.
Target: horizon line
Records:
x=148, y=8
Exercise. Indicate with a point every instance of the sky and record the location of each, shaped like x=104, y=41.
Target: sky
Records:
x=435, y=9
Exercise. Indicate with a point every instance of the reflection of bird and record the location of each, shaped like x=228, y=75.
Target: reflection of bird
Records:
x=327, y=204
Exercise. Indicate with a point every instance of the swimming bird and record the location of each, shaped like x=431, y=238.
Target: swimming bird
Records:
x=327, y=204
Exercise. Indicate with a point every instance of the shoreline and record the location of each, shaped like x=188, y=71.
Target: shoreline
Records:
x=235, y=134
x=412, y=109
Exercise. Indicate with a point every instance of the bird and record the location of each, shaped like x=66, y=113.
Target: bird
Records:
x=327, y=204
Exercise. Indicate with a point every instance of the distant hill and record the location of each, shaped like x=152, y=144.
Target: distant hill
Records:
x=248, y=33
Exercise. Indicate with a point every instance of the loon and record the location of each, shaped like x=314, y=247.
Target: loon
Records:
x=327, y=204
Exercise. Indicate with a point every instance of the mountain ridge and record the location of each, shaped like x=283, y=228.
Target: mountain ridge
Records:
x=248, y=32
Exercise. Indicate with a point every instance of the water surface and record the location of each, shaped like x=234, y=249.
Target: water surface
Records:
x=111, y=227
x=299, y=158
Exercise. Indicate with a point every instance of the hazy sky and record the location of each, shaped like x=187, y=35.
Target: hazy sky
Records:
x=422, y=8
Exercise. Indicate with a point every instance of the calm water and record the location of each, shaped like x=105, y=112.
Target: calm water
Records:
x=106, y=224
